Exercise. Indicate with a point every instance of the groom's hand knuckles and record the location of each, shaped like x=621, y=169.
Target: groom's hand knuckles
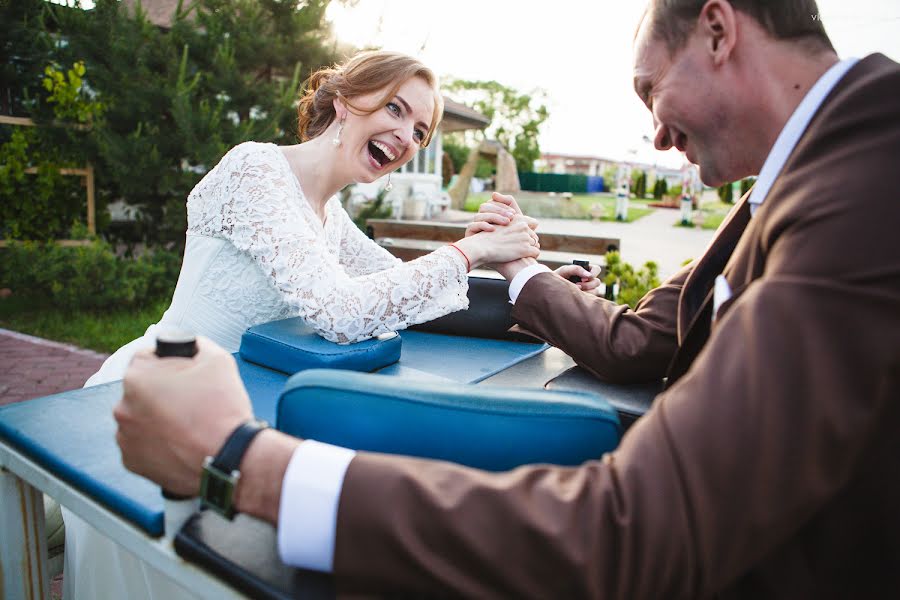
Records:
x=121, y=414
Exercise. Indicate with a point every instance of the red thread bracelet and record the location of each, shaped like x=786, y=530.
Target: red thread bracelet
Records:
x=468, y=264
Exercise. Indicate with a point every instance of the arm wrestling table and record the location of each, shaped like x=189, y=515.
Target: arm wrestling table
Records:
x=64, y=446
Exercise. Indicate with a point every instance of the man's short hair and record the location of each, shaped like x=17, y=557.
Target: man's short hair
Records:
x=797, y=20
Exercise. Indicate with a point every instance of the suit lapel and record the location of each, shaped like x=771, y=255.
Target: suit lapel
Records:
x=698, y=287
x=695, y=304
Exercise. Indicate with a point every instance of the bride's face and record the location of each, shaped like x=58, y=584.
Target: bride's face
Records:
x=388, y=138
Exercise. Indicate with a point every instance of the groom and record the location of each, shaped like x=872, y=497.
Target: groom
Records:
x=767, y=469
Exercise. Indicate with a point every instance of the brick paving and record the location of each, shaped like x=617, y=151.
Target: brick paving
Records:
x=31, y=367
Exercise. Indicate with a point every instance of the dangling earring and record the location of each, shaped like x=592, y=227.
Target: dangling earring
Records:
x=337, y=137
x=389, y=185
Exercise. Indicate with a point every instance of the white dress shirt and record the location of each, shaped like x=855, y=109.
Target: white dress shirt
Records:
x=312, y=483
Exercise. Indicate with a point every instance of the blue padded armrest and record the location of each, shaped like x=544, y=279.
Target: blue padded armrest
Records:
x=291, y=346
x=485, y=427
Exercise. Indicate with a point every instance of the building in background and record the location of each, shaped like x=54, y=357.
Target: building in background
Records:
x=571, y=164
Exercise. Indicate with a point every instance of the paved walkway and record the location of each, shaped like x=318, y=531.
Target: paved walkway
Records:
x=31, y=367
x=653, y=237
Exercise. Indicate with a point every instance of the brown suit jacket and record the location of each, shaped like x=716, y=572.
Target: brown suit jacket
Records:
x=770, y=467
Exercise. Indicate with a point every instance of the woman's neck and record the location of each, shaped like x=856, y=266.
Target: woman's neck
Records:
x=317, y=166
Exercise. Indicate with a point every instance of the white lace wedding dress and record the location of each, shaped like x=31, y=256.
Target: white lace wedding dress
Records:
x=255, y=252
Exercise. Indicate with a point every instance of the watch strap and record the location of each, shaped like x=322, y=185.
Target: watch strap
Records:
x=232, y=452
x=221, y=474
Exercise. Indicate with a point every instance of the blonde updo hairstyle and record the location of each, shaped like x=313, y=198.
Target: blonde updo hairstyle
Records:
x=364, y=73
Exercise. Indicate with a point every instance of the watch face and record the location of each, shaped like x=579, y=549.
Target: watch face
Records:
x=217, y=490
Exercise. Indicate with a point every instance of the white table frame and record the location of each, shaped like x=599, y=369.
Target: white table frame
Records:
x=23, y=539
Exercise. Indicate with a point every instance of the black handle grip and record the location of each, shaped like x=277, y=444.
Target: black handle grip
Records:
x=174, y=342
x=584, y=264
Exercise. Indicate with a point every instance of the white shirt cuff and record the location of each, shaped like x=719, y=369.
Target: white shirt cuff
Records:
x=522, y=277
x=310, y=492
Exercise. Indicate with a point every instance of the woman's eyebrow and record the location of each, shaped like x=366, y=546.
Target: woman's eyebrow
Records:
x=409, y=110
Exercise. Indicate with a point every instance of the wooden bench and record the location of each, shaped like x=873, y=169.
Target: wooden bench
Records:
x=411, y=239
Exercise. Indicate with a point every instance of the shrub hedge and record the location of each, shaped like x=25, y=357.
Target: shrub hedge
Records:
x=87, y=277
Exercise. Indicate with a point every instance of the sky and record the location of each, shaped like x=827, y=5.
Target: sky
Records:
x=577, y=51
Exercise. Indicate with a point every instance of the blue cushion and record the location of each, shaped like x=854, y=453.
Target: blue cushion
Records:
x=73, y=435
x=485, y=427
x=291, y=346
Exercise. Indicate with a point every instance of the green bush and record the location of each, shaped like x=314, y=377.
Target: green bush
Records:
x=660, y=188
x=39, y=206
x=374, y=209
x=639, y=183
x=726, y=193
x=633, y=284
x=152, y=109
x=86, y=277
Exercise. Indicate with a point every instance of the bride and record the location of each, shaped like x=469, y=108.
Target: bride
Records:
x=268, y=239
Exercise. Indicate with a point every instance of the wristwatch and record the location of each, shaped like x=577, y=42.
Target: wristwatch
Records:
x=221, y=473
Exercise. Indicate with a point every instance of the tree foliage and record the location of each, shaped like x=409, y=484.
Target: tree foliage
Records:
x=726, y=193
x=639, y=183
x=175, y=99
x=36, y=200
x=633, y=283
x=454, y=146
x=516, y=117
x=660, y=188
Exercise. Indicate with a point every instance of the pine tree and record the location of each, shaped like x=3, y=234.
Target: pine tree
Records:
x=726, y=193
x=660, y=188
x=177, y=99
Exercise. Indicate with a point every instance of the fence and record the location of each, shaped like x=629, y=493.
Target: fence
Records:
x=560, y=183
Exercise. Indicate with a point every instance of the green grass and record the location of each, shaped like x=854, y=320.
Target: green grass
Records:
x=600, y=207
x=709, y=216
x=101, y=331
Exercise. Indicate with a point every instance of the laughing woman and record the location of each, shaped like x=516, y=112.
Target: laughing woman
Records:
x=268, y=239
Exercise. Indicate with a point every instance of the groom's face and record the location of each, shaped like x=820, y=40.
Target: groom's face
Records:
x=685, y=97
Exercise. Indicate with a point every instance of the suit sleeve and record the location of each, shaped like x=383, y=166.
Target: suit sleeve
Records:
x=725, y=469
x=612, y=341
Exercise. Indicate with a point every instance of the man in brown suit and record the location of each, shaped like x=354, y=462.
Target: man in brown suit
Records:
x=770, y=466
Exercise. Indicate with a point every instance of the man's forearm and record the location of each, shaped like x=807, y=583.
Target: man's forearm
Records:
x=262, y=472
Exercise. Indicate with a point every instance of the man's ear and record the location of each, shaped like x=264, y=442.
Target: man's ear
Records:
x=717, y=24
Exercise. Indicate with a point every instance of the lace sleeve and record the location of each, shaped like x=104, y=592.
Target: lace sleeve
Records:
x=264, y=215
x=360, y=255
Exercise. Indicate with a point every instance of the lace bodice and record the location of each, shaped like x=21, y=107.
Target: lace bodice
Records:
x=278, y=260
x=257, y=252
